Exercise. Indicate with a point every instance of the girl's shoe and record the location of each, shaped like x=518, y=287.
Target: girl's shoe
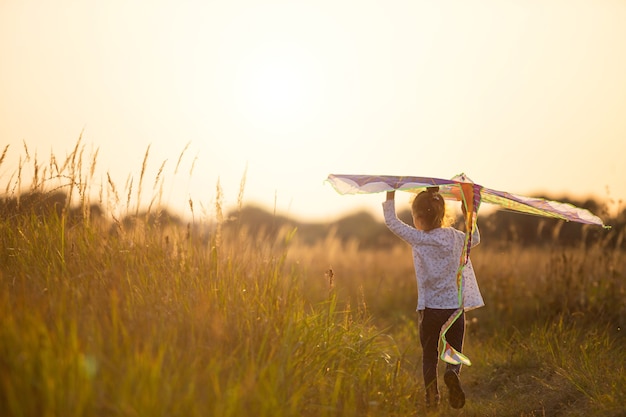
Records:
x=456, y=395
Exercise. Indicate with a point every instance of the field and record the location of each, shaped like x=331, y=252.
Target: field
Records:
x=142, y=317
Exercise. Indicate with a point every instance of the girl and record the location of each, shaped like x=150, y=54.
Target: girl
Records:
x=436, y=254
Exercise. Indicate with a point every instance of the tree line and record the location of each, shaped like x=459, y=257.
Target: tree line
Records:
x=368, y=231
x=497, y=228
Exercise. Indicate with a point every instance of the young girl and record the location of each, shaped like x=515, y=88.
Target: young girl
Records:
x=436, y=255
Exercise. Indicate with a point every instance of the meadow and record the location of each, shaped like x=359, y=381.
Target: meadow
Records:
x=104, y=315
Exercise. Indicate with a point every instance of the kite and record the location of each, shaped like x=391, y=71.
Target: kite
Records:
x=461, y=188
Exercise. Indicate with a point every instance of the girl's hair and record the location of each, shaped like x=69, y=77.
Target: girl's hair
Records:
x=429, y=207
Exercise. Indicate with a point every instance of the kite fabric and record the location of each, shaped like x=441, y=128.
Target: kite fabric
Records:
x=449, y=189
x=461, y=188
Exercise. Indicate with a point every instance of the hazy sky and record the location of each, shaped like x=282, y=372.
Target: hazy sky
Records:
x=526, y=96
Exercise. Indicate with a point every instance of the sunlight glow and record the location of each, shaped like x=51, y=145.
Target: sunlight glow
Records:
x=276, y=88
x=526, y=97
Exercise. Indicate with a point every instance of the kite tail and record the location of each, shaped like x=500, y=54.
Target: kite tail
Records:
x=471, y=202
x=450, y=354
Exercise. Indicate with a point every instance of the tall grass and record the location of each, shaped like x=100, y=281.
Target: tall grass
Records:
x=146, y=318
x=127, y=312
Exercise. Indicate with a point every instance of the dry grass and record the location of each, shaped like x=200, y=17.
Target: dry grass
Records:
x=128, y=313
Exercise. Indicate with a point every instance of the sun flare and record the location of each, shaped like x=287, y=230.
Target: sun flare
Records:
x=277, y=88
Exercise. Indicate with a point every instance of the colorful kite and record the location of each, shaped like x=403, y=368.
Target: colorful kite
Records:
x=461, y=188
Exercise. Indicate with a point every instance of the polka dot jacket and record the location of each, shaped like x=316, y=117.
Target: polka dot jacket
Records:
x=436, y=256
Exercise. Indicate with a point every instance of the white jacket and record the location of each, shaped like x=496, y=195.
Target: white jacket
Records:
x=436, y=257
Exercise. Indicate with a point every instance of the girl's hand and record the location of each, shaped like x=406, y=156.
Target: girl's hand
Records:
x=391, y=195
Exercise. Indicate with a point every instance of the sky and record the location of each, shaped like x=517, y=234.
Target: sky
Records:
x=525, y=96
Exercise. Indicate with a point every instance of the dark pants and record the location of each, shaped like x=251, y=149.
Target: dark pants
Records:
x=430, y=322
